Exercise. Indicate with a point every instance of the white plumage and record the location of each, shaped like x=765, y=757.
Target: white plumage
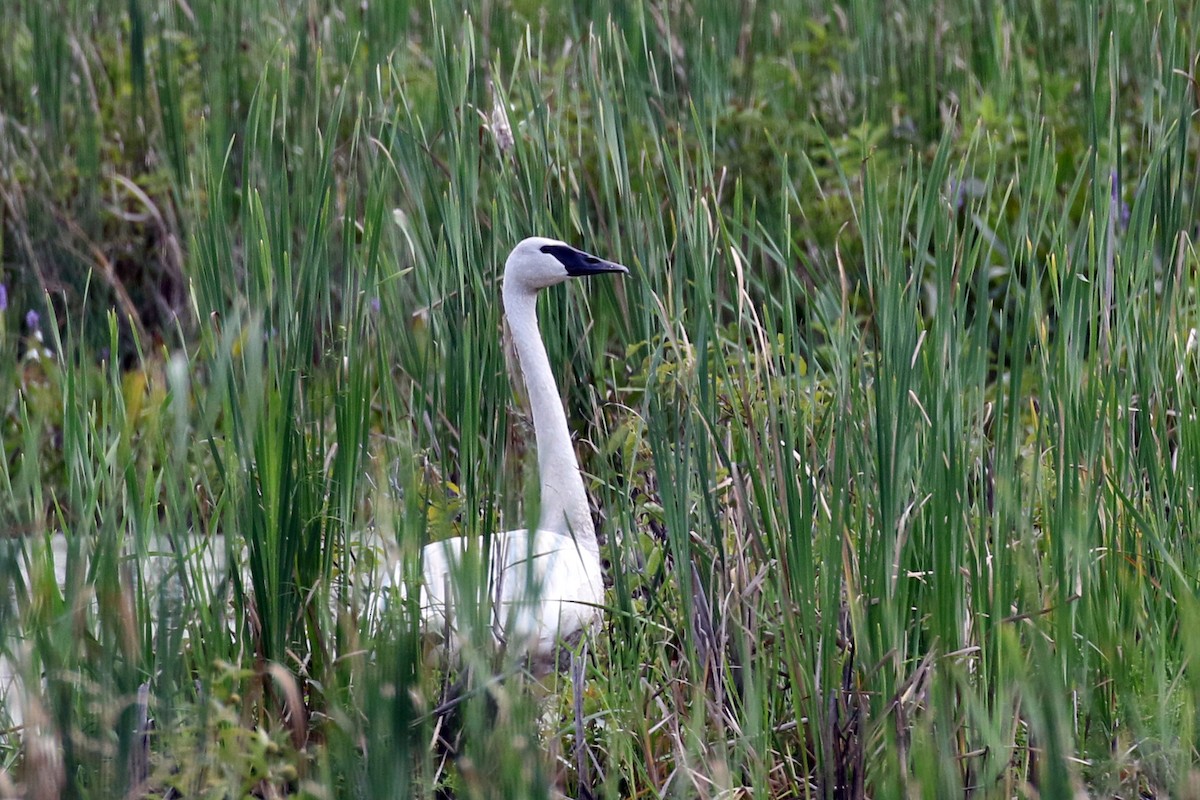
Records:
x=546, y=587
x=543, y=589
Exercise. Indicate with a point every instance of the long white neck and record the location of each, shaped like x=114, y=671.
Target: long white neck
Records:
x=564, y=505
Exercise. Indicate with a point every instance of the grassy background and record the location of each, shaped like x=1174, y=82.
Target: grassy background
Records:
x=892, y=430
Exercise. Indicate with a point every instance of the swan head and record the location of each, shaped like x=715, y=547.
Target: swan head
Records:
x=536, y=263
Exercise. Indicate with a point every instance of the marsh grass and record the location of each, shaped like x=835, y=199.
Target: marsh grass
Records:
x=891, y=431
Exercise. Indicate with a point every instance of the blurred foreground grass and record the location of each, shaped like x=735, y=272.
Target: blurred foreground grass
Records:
x=892, y=432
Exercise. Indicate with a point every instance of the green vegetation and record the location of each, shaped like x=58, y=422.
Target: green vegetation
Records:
x=892, y=429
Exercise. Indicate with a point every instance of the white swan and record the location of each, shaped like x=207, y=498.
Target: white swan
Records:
x=547, y=587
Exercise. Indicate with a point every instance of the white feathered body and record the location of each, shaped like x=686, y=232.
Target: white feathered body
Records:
x=540, y=588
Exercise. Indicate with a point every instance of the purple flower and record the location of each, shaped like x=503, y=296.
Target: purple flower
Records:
x=374, y=304
x=1120, y=209
x=3, y=297
x=32, y=320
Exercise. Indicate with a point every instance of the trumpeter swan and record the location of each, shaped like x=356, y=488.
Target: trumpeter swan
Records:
x=547, y=586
